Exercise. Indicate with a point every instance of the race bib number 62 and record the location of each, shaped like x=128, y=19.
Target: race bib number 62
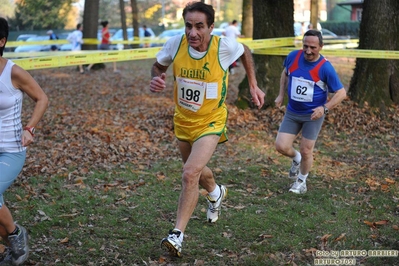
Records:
x=302, y=90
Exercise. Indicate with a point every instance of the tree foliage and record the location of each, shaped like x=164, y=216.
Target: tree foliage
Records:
x=376, y=81
x=110, y=10
x=7, y=8
x=41, y=14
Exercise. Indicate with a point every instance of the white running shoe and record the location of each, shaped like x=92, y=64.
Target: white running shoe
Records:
x=299, y=187
x=215, y=206
x=6, y=257
x=19, y=246
x=172, y=243
x=294, y=171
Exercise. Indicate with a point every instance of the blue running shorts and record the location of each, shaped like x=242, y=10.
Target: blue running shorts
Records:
x=294, y=123
x=11, y=164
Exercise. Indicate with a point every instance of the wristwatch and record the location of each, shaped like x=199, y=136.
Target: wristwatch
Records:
x=325, y=110
x=31, y=130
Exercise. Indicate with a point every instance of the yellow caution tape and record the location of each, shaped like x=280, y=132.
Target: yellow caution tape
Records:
x=276, y=46
x=85, y=41
x=357, y=53
x=84, y=57
x=269, y=43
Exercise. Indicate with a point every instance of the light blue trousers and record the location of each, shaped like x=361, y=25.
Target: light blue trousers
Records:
x=10, y=166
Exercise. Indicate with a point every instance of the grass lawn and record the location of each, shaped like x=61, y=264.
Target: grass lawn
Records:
x=102, y=181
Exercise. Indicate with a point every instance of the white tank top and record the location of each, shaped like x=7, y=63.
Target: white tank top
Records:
x=10, y=113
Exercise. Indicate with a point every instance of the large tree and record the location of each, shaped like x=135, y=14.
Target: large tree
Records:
x=90, y=22
x=273, y=19
x=135, y=13
x=376, y=81
x=247, y=25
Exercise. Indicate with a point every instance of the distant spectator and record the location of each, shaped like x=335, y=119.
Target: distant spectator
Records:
x=53, y=36
x=297, y=28
x=76, y=39
x=303, y=28
x=147, y=34
x=105, y=43
x=232, y=31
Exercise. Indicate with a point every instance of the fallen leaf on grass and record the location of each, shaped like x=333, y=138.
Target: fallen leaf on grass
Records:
x=390, y=181
x=341, y=237
x=325, y=237
x=374, y=224
x=161, y=260
x=382, y=222
x=65, y=240
x=263, y=236
x=310, y=250
x=160, y=176
x=385, y=187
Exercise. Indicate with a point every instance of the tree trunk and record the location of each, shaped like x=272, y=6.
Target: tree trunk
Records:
x=123, y=20
x=375, y=81
x=90, y=22
x=247, y=25
x=274, y=19
x=135, y=13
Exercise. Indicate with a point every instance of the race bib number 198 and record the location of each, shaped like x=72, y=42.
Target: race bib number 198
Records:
x=190, y=93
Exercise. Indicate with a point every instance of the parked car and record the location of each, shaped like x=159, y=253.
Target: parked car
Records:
x=118, y=36
x=24, y=37
x=218, y=31
x=334, y=41
x=66, y=47
x=34, y=47
x=329, y=35
x=166, y=34
x=20, y=38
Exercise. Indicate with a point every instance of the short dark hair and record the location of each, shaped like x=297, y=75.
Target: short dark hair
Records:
x=78, y=26
x=315, y=33
x=104, y=23
x=234, y=22
x=203, y=8
x=3, y=33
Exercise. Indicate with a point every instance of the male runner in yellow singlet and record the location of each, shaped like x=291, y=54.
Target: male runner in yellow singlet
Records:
x=200, y=68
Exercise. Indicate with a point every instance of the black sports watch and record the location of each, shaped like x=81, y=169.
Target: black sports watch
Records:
x=325, y=110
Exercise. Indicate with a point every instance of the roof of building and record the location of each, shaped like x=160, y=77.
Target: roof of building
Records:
x=350, y=2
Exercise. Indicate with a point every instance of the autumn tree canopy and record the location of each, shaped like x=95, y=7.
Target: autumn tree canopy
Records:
x=41, y=14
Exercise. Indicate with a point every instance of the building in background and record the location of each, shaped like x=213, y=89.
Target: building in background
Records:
x=302, y=10
x=355, y=7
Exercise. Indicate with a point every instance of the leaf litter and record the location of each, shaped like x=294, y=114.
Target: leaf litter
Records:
x=103, y=121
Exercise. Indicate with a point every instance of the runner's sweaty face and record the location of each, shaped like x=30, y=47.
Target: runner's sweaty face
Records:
x=311, y=48
x=198, y=33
